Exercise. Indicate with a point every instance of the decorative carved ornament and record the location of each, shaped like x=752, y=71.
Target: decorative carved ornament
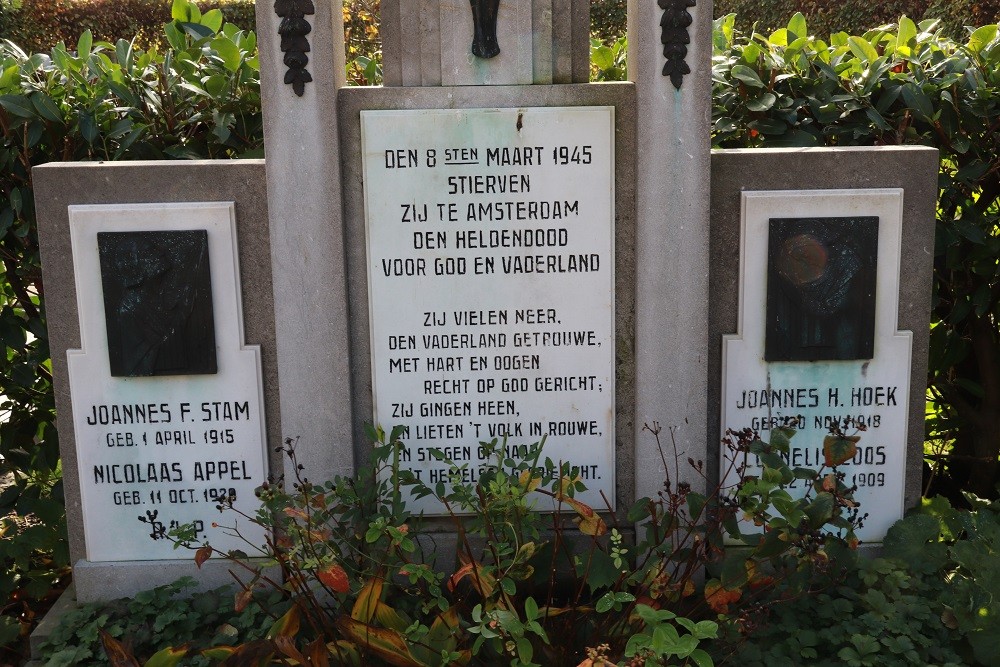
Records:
x=293, y=30
x=674, y=24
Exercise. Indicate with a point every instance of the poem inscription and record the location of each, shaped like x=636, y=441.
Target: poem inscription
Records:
x=491, y=283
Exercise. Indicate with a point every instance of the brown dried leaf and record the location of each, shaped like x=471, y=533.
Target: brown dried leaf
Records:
x=117, y=654
x=386, y=644
x=242, y=599
x=588, y=521
x=287, y=646
x=830, y=482
x=367, y=602
x=462, y=572
x=202, y=555
x=529, y=481
x=251, y=653
x=319, y=655
x=719, y=598
x=287, y=625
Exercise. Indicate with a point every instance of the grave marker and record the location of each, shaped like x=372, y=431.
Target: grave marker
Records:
x=163, y=436
x=163, y=410
x=822, y=323
x=524, y=249
x=810, y=276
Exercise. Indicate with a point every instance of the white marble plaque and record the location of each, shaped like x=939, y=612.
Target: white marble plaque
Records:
x=491, y=284
x=810, y=394
x=166, y=447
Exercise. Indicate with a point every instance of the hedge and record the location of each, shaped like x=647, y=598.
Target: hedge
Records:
x=38, y=25
x=607, y=19
x=826, y=17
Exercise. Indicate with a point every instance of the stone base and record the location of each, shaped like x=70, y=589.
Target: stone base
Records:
x=109, y=581
x=103, y=582
x=65, y=604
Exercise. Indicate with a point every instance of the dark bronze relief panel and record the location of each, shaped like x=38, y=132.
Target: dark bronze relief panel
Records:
x=821, y=282
x=158, y=303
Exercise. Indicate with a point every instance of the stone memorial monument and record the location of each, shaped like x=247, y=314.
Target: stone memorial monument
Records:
x=491, y=281
x=162, y=348
x=823, y=322
x=486, y=247
x=503, y=238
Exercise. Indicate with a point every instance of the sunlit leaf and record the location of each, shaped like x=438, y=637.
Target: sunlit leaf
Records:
x=839, y=449
x=333, y=576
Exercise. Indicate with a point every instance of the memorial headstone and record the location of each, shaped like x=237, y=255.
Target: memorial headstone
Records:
x=165, y=413
x=828, y=327
x=167, y=424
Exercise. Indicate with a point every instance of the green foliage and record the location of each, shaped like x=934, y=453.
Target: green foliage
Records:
x=164, y=616
x=529, y=588
x=878, y=614
x=198, y=99
x=607, y=61
x=38, y=25
x=362, y=42
x=959, y=553
x=930, y=599
x=660, y=639
x=829, y=16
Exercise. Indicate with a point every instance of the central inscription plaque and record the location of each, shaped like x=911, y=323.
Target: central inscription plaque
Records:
x=491, y=285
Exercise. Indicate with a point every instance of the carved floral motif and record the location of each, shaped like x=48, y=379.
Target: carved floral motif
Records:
x=294, y=44
x=674, y=24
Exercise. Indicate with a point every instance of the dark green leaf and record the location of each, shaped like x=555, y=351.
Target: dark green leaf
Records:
x=18, y=105
x=197, y=30
x=820, y=510
x=747, y=76
x=916, y=99
x=88, y=127
x=734, y=569
x=46, y=107
x=762, y=103
x=914, y=540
